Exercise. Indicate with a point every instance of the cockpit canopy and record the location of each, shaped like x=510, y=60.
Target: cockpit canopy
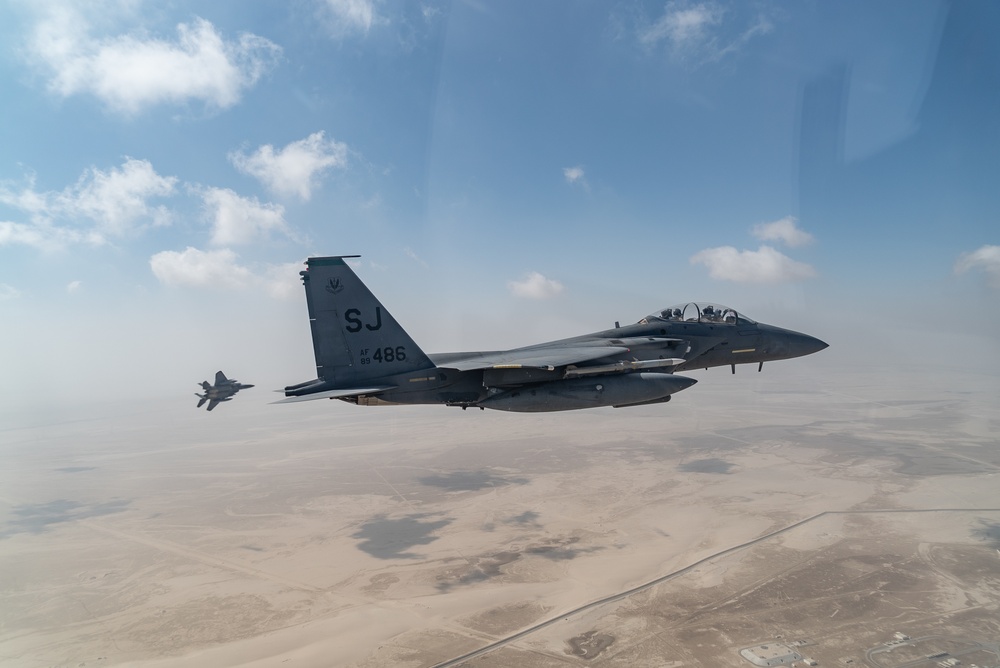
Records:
x=699, y=312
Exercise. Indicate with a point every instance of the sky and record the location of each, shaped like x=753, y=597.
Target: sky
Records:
x=510, y=173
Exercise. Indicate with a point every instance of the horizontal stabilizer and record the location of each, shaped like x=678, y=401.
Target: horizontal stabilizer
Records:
x=336, y=394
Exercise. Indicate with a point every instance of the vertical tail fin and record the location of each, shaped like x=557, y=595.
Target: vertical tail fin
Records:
x=355, y=339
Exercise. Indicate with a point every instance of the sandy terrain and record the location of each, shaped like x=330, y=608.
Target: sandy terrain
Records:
x=836, y=510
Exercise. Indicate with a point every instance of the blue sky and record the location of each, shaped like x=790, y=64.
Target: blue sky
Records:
x=510, y=172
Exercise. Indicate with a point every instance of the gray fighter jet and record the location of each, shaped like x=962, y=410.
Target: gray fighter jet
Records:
x=223, y=390
x=364, y=357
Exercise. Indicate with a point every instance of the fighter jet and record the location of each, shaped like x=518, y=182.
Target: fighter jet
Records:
x=364, y=357
x=223, y=390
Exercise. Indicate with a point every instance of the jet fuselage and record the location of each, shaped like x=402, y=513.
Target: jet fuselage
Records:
x=364, y=356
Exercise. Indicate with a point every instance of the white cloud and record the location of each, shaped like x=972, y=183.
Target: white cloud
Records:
x=73, y=287
x=294, y=169
x=684, y=26
x=282, y=281
x=765, y=265
x=430, y=13
x=352, y=16
x=241, y=220
x=133, y=71
x=195, y=268
x=8, y=292
x=221, y=269
x=41, y=236
x=785, y=230
x=761, y=26
x=535, y=286
x=116, y=199
x=986, y=258
x=575, y=175
x=116, y=202
x=701, y=31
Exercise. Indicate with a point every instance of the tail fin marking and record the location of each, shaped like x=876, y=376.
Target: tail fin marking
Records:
x=354, y=337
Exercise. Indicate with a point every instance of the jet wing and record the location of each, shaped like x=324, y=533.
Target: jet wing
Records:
x=547, y=356
x=527, y=358
x=336, y=394
x=220, y=378
x=212, y=404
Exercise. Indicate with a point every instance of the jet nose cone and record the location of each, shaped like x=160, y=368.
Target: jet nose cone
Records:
x=799, y=344
x=784, y=344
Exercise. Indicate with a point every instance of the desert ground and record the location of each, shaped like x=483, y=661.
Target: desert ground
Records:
x=825, y=512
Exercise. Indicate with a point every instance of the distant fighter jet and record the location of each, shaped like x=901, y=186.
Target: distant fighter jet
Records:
x=223, y=390
x=364, y=357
